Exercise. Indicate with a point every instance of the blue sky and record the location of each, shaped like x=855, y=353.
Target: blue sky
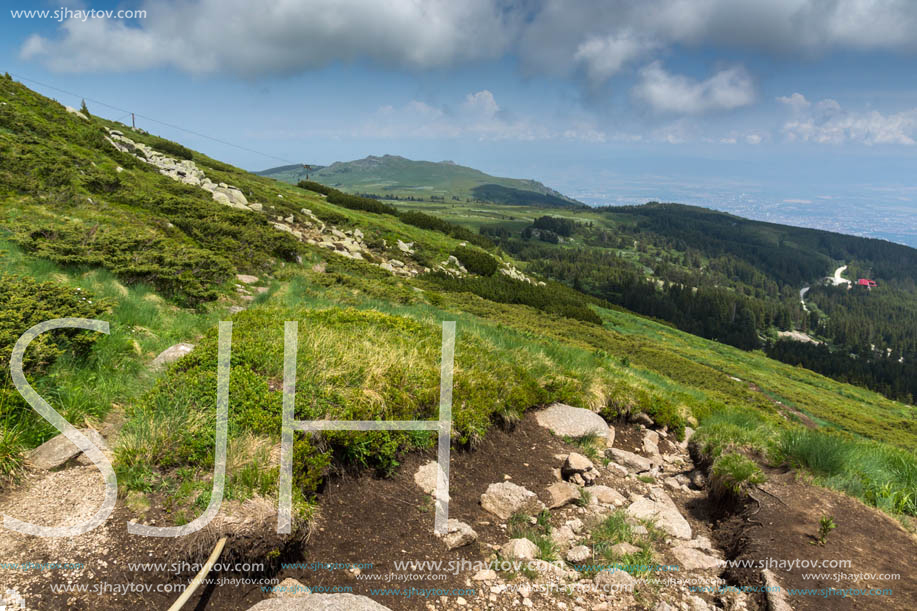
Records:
x=800, y=111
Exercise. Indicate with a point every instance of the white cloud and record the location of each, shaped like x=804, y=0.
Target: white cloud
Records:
x=605, y=56
x=558, y=31
x=797, y=201
x=828, y=123
x=279, y=36
x=674, y=93
x=797, y=101
x=754, y=138
x=477, y=116
x=597, y=36
x=481, y=103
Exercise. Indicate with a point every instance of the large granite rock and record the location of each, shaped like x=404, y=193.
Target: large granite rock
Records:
x=506, y=498
x=569, y=421
x=58, y=450
x=661, y=509
x=171, y=354
x=632, y=461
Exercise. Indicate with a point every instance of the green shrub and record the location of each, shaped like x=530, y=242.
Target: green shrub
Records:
x=172, y=148
x=734, y=474
x=183, y=271
x=311, y=185
x=25, y=302
x=346, y=200
x=476, y=261
x=416, y=219
x=426, y=221
x=552, y=298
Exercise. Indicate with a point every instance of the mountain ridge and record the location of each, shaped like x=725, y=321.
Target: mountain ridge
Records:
x=394, y=176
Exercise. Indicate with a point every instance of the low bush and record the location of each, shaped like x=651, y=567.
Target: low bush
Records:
x=187, y=273
x=426, y=221
x=416, y=219
x=552, y=298
x=733, y=474
x=476, y=261
x=24, y=303
x=172, y=148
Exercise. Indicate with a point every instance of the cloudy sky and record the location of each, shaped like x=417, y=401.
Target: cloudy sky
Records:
x=783, y=108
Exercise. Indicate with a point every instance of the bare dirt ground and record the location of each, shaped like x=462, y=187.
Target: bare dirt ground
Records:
x=373, y=521
x=783, y=527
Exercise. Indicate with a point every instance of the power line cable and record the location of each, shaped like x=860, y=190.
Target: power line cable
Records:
x=128, y=112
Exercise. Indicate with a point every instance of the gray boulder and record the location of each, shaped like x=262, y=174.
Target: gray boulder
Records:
x=458, y=534
x=506, y=498
x=519, y=549
x=569, y=421
x=171, y=354
x=562, y=493
x=57, y=451
x=660, y=508
x=632, y=461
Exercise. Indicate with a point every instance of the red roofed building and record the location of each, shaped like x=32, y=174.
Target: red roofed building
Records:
x=866, y=282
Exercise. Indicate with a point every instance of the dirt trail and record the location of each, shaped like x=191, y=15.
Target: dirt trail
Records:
x=378, y=522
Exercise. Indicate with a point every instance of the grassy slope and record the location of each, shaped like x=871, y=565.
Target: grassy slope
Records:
x=359, y=352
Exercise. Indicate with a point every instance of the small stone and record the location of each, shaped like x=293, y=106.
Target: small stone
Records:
x=562, y=493
x=576, y=463
x=458, y=534
x=58, y=450
x=632, y=461
x=624, y=549
x=520, y=549
x=579, y=553
x=246, y=279
x=691, y=559
x=607, y=496
x=485, y=575
x=615, y=577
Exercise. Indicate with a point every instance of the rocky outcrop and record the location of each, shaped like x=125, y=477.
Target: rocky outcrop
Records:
x=306, y=228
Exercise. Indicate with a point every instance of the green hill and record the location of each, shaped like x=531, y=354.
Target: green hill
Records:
x=98, y=220
x=391, y=176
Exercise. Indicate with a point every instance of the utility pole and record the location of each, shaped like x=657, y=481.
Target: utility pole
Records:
x=133, y=125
